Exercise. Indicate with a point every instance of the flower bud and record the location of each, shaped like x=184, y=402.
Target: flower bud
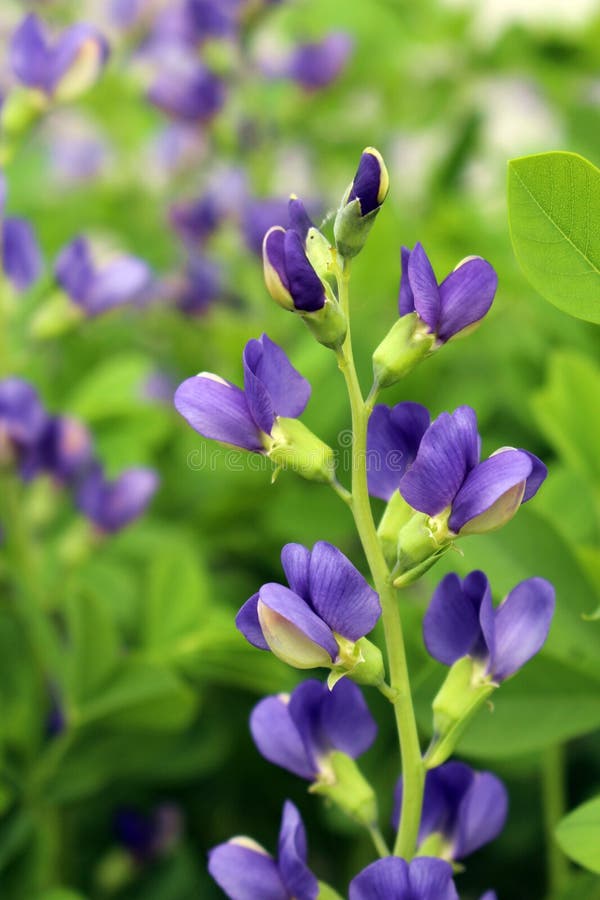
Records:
x=295, y=447
x=361, y=203
x=404, y=346
x=345, y=785
x=462, y=694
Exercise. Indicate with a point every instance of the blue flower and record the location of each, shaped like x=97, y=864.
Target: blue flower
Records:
x=111, y=505
x=393, y=439
x=393, y=878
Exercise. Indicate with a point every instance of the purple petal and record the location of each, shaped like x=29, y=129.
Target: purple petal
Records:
x=451, y=624
x=316, y=65
x=260, y=215
x=340, y=594
x=300, y=221
x=21, y=258
x=424, y=288
x=306, y=712
x=445, y=788
x=256, y=391
x=297, y=877
x=305, y=286
x=218, y=410
x=288, y=390
x=489, y=895
x=295, y=560
x=307, y=627
x=74, y=269
x=522, y=623
x=448, y=450
x=122, y=281
x=466, y=295
x=29, y=54
x=247, y=622
x=367, y=184
x=22, y=416
x=482, y=814
x=196, y=220
x=386, y=879
x=346, y=720
x=184, y=88
x=111, y=505
x=431, y=879
x=538, y=475
x=79, y=54
x=488, y=488
x=406, y=300
x=393, y=439
x=274, y=261
x=277, y=738
x=246, y=874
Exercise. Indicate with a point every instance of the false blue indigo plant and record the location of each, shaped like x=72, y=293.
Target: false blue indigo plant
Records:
x=436, y=489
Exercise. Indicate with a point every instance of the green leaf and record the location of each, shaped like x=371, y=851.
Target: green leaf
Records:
x=579, y=835
x=113, y=388
x=94, y=646
x=554, y=211
x=327, y=893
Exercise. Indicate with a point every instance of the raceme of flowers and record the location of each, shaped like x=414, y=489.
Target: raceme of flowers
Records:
x=437, y=488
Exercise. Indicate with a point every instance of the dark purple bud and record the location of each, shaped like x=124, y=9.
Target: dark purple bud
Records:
x=112, y=505
x=213, y=18
x=148, y=836
x=316, y=65
x=371, y=182
x=299, y=220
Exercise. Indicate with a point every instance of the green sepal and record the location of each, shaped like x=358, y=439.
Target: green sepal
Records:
x=421, y=542
x=351, y=229
x=328, y=324
x=403, y=347
x=361, y=661
x=320, y=254
x=327, y=893
x=346, y=786
x=433, y=845
x=295, y=447
x=397, y=514
x=462, y=694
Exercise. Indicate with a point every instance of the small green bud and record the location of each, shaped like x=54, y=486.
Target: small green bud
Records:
x=396, y=515
x=328, y=325
x=343, y=783
x=21, y=109
x=295, y=447
x=361, y=661
x=462, y=694
x=404, y=346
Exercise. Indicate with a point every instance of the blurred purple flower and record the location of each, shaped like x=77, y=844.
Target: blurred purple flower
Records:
x=393, y=438
x=328, y=599
x=63, y=450
x=393, y=878
x=148, y=836
x=177, y=147
x=184, y=88
x=317, y=64
x=196, y=220
x=20, y=259
x=461, y=300
x=299, y=731
x=78, y=152
x=111, y=505
x=260, y=215
x=466, y=809
x=97, y=289
x=200, y=286
x=223, y=412
x=461, y=621
x=447, y=475
x=64, y=68
x=245, y=871
x=22, y=417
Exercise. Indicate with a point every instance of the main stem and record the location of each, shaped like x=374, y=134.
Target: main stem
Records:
x=413, y=771
x=554, y=803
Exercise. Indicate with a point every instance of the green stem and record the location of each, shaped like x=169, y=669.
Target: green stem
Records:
x=555, y=805
x=412, y=764
x=379, y=841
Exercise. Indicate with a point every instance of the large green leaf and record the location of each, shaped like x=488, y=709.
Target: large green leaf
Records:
x=93, y=653
x=579, y=835
x=554, y=210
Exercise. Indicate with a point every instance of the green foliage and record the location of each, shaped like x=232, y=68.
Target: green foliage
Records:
x=579, y=835
x=554, y=207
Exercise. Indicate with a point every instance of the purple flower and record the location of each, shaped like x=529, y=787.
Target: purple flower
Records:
x=196, y=220
x=463, y=298
x=148, y=836
x=393, y=439
x=245, y=418
x=20, y=254
x=448, y=476
x=290, y=278
x=22, y=417
x=328, y=600
x=111, y=505
x=185, y=88
x=63, y=69
x=200, y=286
x=371, y=182
x=299, y=731
x=462, y=621
x=212, y=18
x=260, y=215
x=245, y=871
x=462, y=808
x=98, y=288
x=393, y=878
x=63, y=450
x=317, y=64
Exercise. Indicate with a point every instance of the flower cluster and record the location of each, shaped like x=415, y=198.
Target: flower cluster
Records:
x=60, y=447
x=437, y=489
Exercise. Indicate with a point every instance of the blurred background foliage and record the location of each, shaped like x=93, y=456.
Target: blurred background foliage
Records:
x=154, y=681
